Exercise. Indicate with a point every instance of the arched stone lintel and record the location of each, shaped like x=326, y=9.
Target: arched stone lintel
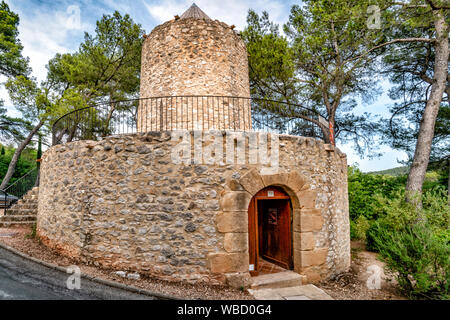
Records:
x=233, y=221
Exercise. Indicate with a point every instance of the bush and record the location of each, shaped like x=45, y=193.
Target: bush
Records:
x=396, y=213
x=361, y=190
x=358, y=229
x=414, y=243
x=418, y=258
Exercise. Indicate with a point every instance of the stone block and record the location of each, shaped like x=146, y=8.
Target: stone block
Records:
x=236, y=242
x=311, y=275
x=296, y=181
x=240, y=280
x=232, y=221
x=235, y=201
x=275, y=179
x=304, y=240
x=315, y=257
x=309, y=223
x=307, y=199
x=234, y=185
x=222, y=262
x=252, y=182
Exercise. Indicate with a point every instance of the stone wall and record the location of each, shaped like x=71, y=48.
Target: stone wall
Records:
x=194, y=57
x=122, y=203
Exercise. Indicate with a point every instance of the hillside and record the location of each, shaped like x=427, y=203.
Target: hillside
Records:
x=399, y=171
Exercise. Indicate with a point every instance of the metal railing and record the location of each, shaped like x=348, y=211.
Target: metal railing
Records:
x=188, y=113
x=18, y=189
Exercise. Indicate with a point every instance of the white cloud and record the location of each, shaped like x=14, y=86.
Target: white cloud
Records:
x=46, y=34
x=230, y=12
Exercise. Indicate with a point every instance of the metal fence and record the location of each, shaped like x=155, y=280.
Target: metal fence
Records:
x=18, y=189
x=188, y=113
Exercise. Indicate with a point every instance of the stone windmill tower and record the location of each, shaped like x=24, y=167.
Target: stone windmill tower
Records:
x=193, y=70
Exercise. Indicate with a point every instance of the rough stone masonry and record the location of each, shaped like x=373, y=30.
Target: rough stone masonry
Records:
x=123, y=203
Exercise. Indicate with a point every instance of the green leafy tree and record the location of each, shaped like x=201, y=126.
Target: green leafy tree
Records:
x=36, y=105
x=417, y=63
x=321, y=64
x=12, y=129
x=26, y=162
x=106, y=68
x=12, y=63
x=330, y=56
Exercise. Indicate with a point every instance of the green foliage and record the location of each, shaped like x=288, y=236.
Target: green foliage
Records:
x=359, y=227
x=419, y=259
x=107, y=64
x=27, y=161
x=12, y=129
x=410, y=67
x=32, y=235
x=368, y=192
x=12, y=62
x=361, y=190
x=414, y=242
x=32, y=101
x=321, y=63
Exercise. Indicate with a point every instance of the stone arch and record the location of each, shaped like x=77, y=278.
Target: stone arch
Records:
x=232, y=221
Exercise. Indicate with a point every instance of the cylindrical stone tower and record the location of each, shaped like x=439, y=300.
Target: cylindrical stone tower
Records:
x=193, y=71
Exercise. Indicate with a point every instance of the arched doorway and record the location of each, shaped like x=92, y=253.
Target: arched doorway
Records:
x=270, y=229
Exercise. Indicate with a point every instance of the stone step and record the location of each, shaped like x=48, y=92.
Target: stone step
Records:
x=306, y=292
x=277, y=280
x=12, y=224
x=17, y=218
x=21, y=212
x=20, y=206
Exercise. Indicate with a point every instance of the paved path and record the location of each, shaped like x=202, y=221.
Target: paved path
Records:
x=21, y=279
x=305, y=292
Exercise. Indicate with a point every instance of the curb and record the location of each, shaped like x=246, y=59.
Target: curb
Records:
x=91, y=278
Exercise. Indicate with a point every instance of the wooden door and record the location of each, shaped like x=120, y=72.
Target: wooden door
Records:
x=269, y=216
x=275, y=240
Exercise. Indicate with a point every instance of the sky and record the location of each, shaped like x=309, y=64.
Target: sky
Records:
x=48, y=27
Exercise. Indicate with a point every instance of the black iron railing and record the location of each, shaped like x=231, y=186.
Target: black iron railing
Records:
x=188, y=113
x=18, y=189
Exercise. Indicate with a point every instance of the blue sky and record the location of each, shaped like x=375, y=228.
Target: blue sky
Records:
x=48, y=27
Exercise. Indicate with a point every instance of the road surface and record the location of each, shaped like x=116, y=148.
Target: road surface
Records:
x=21, y=279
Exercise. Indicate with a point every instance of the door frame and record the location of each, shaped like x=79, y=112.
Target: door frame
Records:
x=254, y=225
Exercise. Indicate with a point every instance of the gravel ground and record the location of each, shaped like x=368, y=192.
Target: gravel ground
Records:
x=352, y=285
x=20, y=240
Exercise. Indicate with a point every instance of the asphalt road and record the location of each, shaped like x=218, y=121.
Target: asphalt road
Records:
x=21, y=279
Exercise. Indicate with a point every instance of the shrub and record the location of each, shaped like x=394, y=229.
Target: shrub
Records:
x=396, y=213
x=361, y=190
x=418, y=258
x=358, y=229
x=414, y=243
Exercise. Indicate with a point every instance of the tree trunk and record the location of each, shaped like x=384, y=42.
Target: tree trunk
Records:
x=419, y=165
x=16, y=156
